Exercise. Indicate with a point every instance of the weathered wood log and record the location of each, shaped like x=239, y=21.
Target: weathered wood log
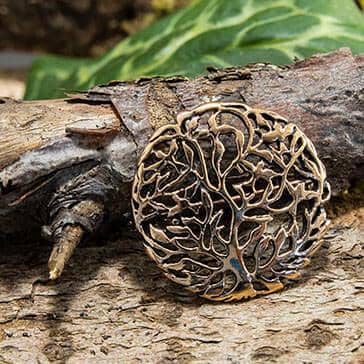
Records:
x=113, y=305
x=55, y=155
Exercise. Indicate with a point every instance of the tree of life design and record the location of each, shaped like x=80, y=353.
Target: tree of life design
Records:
x=230, y=200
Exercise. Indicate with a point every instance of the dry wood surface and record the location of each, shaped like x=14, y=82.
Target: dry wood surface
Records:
x=113, y=305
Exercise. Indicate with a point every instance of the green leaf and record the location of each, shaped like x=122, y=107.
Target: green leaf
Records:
x=216, y=33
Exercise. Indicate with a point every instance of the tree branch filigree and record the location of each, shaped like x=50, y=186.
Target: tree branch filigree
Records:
x=229, y=200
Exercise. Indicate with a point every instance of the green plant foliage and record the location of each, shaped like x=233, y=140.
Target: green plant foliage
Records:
x=218, y=33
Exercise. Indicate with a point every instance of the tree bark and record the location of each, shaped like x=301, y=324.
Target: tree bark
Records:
x=323, y=95
x=113, y=304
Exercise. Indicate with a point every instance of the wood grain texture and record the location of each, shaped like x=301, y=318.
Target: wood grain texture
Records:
x=113, y=305
x=25, y=126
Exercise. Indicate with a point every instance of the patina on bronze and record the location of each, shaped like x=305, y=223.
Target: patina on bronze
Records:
x=230, y=200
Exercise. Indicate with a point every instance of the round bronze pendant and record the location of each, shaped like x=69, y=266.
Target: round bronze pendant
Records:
x=229, y=200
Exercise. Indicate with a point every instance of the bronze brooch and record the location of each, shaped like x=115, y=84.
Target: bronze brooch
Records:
x=230, y=200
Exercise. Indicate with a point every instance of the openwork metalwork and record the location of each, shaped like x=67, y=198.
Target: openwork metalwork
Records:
x=229, y=200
